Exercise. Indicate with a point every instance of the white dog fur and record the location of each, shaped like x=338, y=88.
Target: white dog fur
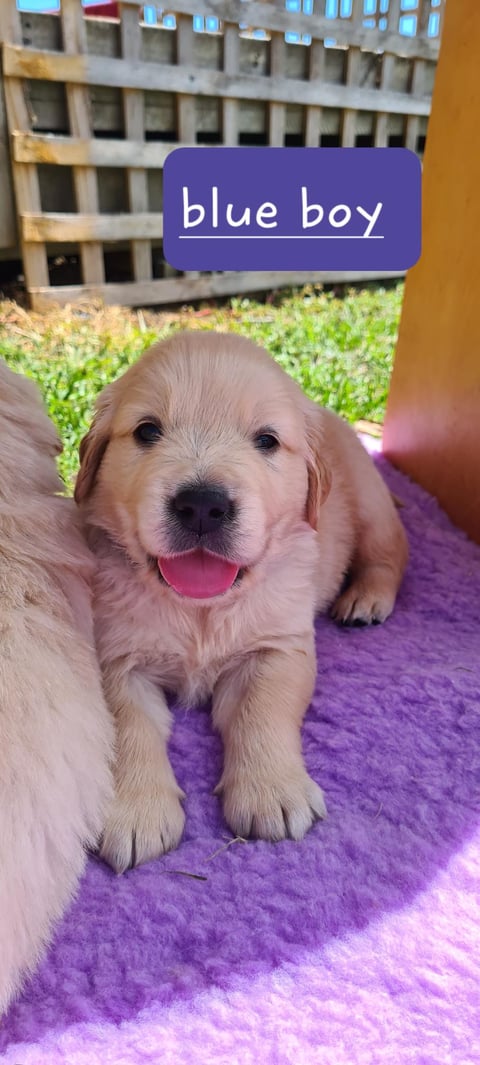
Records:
x=55, y=730
x=305, y=511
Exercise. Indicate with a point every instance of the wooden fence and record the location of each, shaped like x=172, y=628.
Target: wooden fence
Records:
x=94, y=106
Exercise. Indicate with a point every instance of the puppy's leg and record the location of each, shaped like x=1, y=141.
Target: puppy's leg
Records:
x=377, y=568
x=258, y=708
x=146, y=817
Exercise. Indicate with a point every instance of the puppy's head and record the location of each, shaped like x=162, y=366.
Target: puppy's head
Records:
x=199, y=459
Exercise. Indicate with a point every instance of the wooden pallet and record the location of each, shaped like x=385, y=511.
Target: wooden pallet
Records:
x=139, y=64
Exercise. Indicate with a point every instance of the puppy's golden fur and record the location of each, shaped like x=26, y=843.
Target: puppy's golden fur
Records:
x=303, y=515
x=55, y=730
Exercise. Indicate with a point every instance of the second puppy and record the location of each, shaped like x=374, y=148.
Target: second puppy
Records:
x=56, y=734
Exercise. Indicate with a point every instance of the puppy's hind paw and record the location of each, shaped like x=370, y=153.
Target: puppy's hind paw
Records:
x=368, y=600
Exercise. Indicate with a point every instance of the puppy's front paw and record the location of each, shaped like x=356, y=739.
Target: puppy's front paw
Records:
x=365, y=602
x=144, y=822
x=272, y=807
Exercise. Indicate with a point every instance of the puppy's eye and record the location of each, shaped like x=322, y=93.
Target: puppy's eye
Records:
x=266, y=442
x=147, y=433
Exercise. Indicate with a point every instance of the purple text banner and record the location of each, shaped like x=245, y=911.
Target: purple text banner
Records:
x=292, y=209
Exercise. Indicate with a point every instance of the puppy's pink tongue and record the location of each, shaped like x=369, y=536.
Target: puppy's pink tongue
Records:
x=197, y=574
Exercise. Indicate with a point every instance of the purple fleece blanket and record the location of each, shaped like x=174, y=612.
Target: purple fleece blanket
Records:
x=358, y=945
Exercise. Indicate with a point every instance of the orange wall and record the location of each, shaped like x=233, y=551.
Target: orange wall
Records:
x=432, y=428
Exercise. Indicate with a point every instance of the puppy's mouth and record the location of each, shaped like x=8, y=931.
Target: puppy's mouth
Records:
x=199, y=574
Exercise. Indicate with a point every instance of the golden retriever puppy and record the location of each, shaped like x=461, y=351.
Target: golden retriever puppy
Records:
x=225, y=509
x=55, y=729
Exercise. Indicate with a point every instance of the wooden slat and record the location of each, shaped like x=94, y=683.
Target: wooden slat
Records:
x=8, y=228
x=381, y=119
x=74, y=151
x=231, y=48
x=58, y=228
x=276, y=117
x=186, y=103
x=149, y=293
x=412, y=122
x=96, y=70
x=134, y=117
x=187, y=124
x=25, y=177
x=393, y=18
x=418, y=78
x=349, y=122
x=273, y=17
x=78, y=104
x=313, y=116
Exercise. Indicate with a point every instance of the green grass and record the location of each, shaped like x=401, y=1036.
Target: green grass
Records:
x=340, y=350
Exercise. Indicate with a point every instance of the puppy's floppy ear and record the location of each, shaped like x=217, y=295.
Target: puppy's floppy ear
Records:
x=319, y=474
x=94, y=445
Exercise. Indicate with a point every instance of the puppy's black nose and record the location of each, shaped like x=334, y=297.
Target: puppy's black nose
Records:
x=202, y=509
